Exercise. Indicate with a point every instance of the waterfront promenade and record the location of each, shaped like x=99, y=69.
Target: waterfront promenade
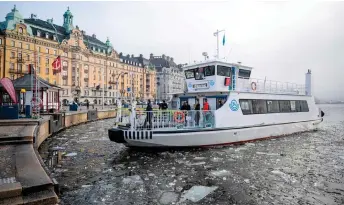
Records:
x=23, y=176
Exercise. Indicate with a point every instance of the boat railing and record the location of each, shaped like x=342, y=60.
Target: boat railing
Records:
x=169, y=119
x=269, y=86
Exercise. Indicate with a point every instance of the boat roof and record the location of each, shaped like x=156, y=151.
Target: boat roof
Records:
x=216, y=61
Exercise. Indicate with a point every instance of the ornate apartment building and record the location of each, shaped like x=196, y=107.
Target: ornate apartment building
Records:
x=170, y=76
x=89, y=66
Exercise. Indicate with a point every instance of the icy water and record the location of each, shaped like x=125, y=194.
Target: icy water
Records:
x=306, y=168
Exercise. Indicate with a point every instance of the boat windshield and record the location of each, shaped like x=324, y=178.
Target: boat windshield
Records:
x=200, y=73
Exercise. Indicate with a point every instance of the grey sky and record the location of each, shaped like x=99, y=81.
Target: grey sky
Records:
x=281, y=40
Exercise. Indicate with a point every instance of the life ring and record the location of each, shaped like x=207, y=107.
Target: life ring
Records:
x=179, y=117
x=253, y=86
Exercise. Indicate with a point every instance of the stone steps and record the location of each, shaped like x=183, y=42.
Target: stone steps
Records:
x=15, y=142
x=15, y=138
x=10, y=190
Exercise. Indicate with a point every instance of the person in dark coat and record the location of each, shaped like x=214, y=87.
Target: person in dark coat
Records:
x=87, y=104
x=163, y=105
x=149, y=114
x=197, y=114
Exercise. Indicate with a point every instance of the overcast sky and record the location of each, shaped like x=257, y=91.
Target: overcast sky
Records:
x=280, y=40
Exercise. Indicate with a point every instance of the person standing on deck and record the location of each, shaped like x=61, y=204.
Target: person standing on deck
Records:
x=197, y=110
x=149, y=114
x=206, y=105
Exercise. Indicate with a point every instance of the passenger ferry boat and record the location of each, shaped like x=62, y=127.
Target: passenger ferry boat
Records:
x=251, y=109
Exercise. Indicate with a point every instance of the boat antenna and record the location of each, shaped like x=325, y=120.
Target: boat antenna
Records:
x=217, y=42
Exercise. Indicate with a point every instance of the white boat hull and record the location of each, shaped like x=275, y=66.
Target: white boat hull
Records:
x=214, y=137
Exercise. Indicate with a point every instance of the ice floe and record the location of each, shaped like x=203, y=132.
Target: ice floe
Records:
x=197, y=193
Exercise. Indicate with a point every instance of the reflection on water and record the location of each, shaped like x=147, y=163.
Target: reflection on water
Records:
x=305, y=168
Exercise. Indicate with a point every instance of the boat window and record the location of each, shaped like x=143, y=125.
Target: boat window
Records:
x=244, y=73
x=292, y=106
x=246, y=106
x=210, y=70
x=273, y=106
x=284, y=106
x=259, y=106
x=199, y=73
x=223, y=71
x=190, y=73
x=220, y=102
x=255, y=106
x=304, y=106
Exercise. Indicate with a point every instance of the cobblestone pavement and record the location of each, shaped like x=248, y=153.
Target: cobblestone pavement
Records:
x=306, y=168
x=7, y=162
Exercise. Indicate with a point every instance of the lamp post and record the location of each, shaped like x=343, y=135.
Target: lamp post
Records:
x=120, y=74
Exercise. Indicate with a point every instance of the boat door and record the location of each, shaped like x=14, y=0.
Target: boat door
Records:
x=212, y=103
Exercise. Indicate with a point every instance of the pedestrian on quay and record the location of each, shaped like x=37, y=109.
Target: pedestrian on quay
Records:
x=197, y=114
x=87, y=104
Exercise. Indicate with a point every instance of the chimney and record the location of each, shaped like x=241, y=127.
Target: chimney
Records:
x=128, y=56
x=171, y=59
x=120, y=54
x=141, y=56
x=163, y=56
x=83, y=32
x=33, y=16
x=167, y=58
x=94, y=35
x=132, y=55
x=151, y=56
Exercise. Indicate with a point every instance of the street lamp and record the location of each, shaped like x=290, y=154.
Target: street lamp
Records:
x=120, y=74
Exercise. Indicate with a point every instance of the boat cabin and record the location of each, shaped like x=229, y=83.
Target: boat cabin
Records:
x=211, y=80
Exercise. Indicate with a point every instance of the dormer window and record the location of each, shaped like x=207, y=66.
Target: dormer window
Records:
x=46, y=35
x=38, y=33
x=54, y=37
x=20, y=30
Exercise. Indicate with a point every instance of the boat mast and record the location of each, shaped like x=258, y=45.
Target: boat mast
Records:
x=217, y=42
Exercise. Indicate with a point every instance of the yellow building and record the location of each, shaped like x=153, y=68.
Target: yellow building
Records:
x=90, y=67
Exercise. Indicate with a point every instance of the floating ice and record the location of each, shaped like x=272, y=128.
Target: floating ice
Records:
x=57, y=148
x=216, y=159
x=220, y=173
x=250, y=144
x=342, y=157
x=197, y=163
x=168, y=198
x=86, y=186
x=284, y=176
x=269, y=154
x=197, y=193
x=72, y=154
x=247, y=180
x=199, y=158
x=136, y=179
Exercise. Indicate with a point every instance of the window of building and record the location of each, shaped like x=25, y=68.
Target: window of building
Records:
x=20, y=30
x=54, y=82
x=28, y=57
x=13, y=54
x=39, y=59
x=11, y=66
x=47, y=50
x=12, y=77
x=39, y=49
x=273, y=106
x=223, y=71
x=46, y=70
x=55, y=52
x=28, y=46
x=13, y=43
x=20, y=45
x=20, y=67
x=64, y=82
x=19, y=55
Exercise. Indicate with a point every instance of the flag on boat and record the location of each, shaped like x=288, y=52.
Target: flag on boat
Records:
x=56, y=65
x=224, y=39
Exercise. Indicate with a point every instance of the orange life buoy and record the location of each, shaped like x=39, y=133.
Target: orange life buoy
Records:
x=253, y=86
x=179, y=116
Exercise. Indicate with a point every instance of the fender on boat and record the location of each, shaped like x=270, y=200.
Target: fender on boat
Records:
x=116, y=135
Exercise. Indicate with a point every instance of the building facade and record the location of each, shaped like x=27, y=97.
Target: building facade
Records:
x=169, y=75
x=91, y=69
